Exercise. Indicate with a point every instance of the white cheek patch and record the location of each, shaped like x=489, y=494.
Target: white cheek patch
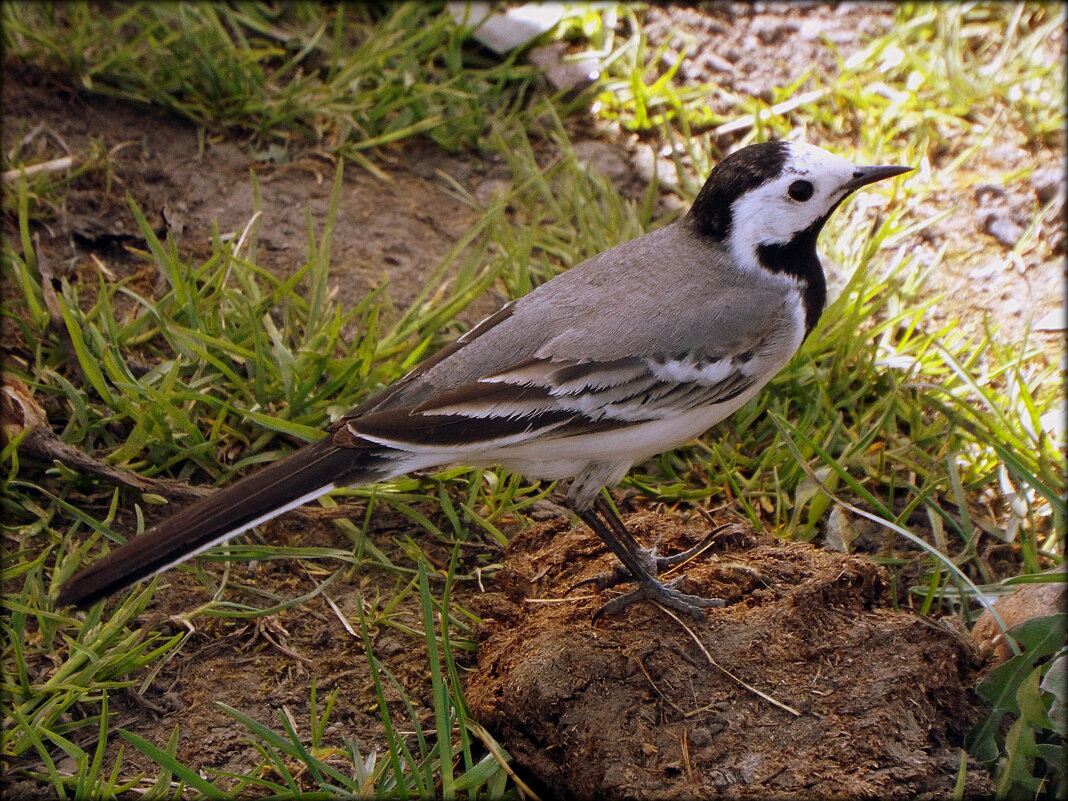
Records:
x=766, y=215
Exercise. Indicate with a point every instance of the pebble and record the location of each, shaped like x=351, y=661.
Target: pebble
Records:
x=565, y=76
x=1008, y=155
x=811, y=29
x=999, y=225
x=490, y=189
x=603, y=158
x=718, y=63
x=988, y=270
x=983, y=190
x=645, y=161
x=1047, y=183
x=1054, y=320
x=1026, y=602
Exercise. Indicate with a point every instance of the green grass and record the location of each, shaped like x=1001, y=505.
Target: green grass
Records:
x=937, y=433
x=280, y=73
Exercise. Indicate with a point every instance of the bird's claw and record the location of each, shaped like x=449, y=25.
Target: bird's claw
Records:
x=667, y=594
x=655, y=564
x=649, y=589
x=602, y=581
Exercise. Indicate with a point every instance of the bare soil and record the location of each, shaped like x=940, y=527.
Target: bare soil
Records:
x=391, y=231
x=626, y=707
x=632, y=707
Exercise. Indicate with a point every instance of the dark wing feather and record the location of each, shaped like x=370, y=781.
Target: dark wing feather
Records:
x=556, y=398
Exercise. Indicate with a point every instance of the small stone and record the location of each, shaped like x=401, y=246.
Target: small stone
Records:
x=1026, y=601
x=811, y=29
x=603, y=158
x=717, y=63
x=1053, y=320
x=840, y=532
x=1007, y=155
x=646, y=160
x=986, y=271
x=564, y=75
x=502, y=31
x=983, y=191
x=1047, y=183
x=490, y=189
x=998, y=224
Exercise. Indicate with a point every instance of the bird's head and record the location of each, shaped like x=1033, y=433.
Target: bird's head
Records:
x=770, y=200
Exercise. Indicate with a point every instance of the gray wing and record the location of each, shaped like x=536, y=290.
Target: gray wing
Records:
x=610, y=343
x=559, y=398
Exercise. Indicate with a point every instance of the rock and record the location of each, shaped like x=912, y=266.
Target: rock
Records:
x=998, y=224
x=1047, y=183
x=1053, y=320
x=604, y=158
x=509, y=28
x=564, y=75
x=1025, y=602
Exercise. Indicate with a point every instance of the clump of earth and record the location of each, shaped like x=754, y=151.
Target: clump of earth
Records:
x=808, y=684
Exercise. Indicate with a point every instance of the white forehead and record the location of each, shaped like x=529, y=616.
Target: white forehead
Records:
x=806, y=159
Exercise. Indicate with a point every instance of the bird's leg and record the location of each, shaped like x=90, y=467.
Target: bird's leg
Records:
x=641, y=564
x=657, y=563
x=661, y=562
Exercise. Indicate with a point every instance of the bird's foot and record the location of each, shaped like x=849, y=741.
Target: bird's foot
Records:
x=651, y=560
x=667, y=594
x=640, y=565
x=649, y=589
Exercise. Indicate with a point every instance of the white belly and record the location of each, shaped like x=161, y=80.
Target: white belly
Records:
x=552, y=458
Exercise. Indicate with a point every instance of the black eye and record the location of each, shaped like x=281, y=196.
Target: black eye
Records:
x=800, y=191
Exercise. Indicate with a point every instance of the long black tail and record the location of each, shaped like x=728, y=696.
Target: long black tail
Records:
x=300, y=477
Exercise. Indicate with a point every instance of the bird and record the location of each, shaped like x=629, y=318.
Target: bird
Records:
x=633, y=352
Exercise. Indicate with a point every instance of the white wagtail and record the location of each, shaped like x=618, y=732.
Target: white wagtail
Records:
x=633, y=352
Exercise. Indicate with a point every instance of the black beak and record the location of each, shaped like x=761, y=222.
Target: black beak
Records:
x=862, y=176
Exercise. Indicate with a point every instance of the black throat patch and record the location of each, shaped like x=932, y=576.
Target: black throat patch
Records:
x=798, y=258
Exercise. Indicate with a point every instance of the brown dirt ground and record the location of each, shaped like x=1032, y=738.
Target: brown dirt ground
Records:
x=631, y=707
x=393, y=231
x=627, y=707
